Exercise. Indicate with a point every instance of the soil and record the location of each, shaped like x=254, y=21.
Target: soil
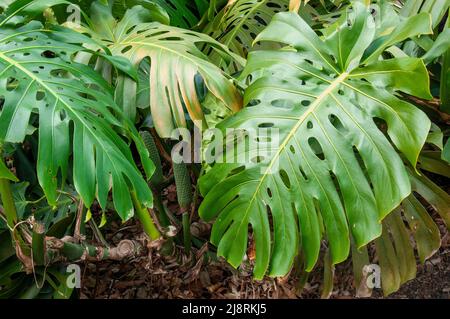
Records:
x=202, y=275
x=155, y=276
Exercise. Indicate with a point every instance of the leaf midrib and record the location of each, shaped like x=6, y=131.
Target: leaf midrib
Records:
x=179, y=54
x=52, y=92
x=342, y=77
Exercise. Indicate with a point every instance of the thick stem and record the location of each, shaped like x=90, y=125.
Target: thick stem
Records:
x=38, y=244
x=79, y=221
x=145, y=218
x=73, y=251
x=162, y=213
x=8, y=201
x=187, y=233
x=196, y=194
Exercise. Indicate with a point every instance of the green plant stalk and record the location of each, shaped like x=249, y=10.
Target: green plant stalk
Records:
x=145, y=218
x=74, y=251
x=38, y=244
x=162, y=214
x=168, y=247
x=444, y=90
x=187, y=233
x=175, y=221
x=328, y=276
x=300, y=273
x=7, y=198
x=97, y=232
x=8, y=202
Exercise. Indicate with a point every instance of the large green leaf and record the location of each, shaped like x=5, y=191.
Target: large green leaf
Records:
x=238, y=24
x=336, y=168
x=175, y=62
x=37, y=76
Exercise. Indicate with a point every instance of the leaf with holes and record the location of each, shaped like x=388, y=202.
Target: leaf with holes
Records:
x=335, y=172
x=37, y=76
x=237, y=25
x=174, y=63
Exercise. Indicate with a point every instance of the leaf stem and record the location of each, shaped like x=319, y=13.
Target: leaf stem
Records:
x=38, y=244
x=8, y=200
x=187, y=233
x=145, y=218
x=162, y=213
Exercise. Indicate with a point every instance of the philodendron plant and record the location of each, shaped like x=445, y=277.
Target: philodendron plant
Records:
x=79, y=128
x=339, y=174
x=356, y=92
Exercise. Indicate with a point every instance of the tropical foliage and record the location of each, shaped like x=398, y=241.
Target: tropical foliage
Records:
x=93, y=95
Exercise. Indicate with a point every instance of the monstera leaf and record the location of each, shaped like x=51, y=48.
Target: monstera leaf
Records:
x=335, y=173
x=174, y=63
x=38, y=81
x=238, y=24
x=395, y=249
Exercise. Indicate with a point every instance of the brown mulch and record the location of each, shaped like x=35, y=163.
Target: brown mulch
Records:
x=203, y=276
x=154, y=276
